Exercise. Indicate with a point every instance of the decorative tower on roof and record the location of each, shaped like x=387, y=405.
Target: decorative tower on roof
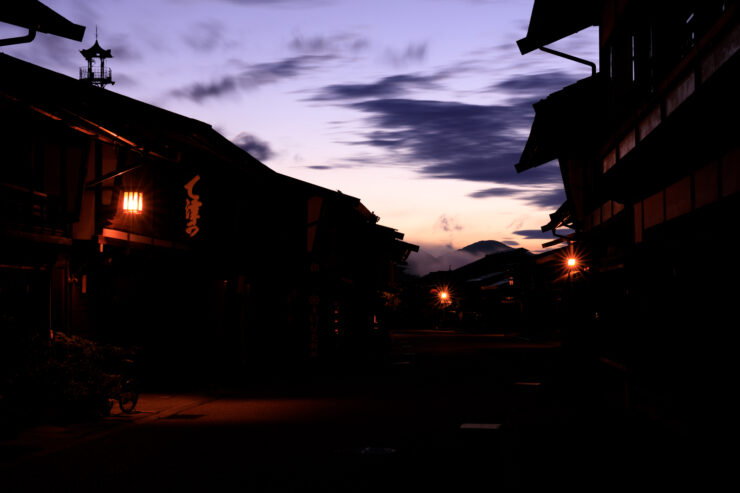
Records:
x=96, y=72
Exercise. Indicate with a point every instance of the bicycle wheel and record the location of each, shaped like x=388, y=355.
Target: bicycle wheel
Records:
x=128, y=399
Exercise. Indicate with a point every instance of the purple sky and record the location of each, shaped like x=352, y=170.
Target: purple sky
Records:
x=420, y=108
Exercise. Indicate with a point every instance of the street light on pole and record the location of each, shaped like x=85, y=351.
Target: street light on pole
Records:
x=571, y=263
x=443, y=300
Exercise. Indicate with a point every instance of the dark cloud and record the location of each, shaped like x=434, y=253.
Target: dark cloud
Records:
x=537, y=85
x=267, y=73
x=448, y=139
x=546, y=199
x=386, y=87
x=198, y=92
x=414, y=53
x=538, y=234
x=254, y=146
x=253, y=76
x=455, y=140
x=495, y=192
x=321, y=167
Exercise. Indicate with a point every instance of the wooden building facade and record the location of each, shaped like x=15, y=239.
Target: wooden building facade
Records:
x=650, y=157
x=133, y=225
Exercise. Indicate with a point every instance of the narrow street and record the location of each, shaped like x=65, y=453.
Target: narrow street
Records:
x=444, y=411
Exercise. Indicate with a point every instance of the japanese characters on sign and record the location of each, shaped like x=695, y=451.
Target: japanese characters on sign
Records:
x=192, y=208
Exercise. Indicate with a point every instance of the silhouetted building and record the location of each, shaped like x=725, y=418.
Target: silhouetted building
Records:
x=650, y=159
x=134, y=225
x=513, y=291
x=490, y=291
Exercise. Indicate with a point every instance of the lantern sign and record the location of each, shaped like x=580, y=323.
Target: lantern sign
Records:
x=192, y=208
x=133, y=202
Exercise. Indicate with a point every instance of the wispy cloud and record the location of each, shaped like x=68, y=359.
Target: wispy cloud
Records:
x=332, y=44
x=413, y=53
x=448, y=224
x=496, y=192
x=536, y=196
x=200, y=91
x=267, y=73
x=252, y=77
x=386, y=87
x=538, y=234
x=451, y=139
x=535, y=86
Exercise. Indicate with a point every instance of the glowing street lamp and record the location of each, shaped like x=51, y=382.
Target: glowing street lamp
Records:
x=443, y=301
x=572, y=264
x=442, y=295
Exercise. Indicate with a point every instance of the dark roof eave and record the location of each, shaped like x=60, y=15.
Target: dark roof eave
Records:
x=558, y=218
x=36, y=16
x=556, y=111
x=554, y=20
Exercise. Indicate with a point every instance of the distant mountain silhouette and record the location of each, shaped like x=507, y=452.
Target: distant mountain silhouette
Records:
x=485, y=247
x=424, y=262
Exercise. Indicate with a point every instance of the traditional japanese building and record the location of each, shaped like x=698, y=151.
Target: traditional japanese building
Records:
x=650, y=158
x=133, y=225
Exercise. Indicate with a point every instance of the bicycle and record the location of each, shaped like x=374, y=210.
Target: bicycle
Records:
x=123, y=390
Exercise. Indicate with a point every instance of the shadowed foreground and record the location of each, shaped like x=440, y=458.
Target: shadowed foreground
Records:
x=444, y=411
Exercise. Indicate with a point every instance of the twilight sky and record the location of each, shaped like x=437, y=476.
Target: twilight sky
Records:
x=420, y=108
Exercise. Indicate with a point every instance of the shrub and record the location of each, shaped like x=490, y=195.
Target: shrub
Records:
x=61, y=379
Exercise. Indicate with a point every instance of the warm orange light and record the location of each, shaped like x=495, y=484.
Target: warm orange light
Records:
x=133, y=202
x=442, y=295
x=571, y=262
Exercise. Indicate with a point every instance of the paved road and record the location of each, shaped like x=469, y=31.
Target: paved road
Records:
x=445, y=411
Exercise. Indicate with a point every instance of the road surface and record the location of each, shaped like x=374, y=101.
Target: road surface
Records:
x=444, y=411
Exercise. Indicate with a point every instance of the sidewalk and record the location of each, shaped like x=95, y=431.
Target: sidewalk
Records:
x=43, y=440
